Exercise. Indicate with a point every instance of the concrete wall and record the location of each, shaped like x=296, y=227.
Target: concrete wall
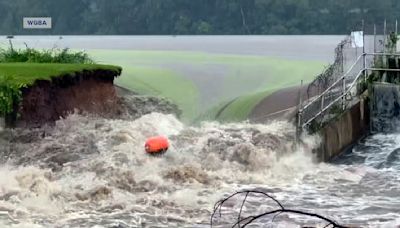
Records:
x=385, y=107
x=341, y=133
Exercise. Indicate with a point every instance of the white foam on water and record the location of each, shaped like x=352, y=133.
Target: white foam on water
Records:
x=113, y=176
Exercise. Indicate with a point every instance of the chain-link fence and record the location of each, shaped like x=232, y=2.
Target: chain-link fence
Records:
x=333, y=90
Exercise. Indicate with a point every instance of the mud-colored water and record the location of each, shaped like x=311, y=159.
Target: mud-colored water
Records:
x=93, y=172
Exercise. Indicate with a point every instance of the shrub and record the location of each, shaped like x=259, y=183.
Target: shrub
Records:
x=65, y=55
x=10, y=94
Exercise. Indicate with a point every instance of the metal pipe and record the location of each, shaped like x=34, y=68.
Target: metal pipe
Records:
x=382, y=69
x=384, y=54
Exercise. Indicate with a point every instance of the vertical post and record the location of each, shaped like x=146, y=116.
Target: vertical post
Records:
x=322, y=102
x=384, y=45
x=363, y=31
x=384, y=36
x=365, y=67
x=356, y=57
x=299, y=127
x=396, y=37
x=364, y=55
x=396, y=28
x=343, y=93
x=342, y=53
x=374, y=38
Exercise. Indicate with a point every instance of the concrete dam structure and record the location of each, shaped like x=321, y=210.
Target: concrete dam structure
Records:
x=385, y=107
x=376, y=110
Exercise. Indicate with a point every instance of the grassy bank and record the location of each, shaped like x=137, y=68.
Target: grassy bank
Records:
x=240, y=108
x=21, y=68
x=14, y=76
x=162, y=82
x=28, y=73
x=190, y=78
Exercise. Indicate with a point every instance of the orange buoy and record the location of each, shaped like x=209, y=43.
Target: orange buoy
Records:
x=156, y=145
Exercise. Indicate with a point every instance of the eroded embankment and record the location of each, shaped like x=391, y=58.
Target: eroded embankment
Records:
x=81, y=89
x=86, y=91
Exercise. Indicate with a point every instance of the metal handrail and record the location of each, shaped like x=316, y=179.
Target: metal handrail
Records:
x=384, y=54
x=335, y=83
x=382, y=69
x=348, y=72
x=337, y=99
x=348, y=90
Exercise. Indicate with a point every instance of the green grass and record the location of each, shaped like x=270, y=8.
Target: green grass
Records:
x=212, y=113
x=291, y=75
x=249, y=78
x=28, y=73
x=12, y=54
x=20, y=68
x=241, y=107
x=162, y=82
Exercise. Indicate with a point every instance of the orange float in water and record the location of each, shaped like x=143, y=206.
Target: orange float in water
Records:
x=156, y=145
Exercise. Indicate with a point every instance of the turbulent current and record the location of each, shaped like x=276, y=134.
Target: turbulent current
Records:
x=93, y=172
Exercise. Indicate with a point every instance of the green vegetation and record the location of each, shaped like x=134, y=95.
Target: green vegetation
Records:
x=214, y=112
x=170, y=17
x=241, y=107
x=266, y=75
x=22, y=67
x=10, y=94
x=237, y=109
x=28, y=73
x=11, y=55
x=163, y=73
x=162, y=82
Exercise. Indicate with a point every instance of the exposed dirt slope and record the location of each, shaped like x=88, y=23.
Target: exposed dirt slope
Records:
x=88, y=91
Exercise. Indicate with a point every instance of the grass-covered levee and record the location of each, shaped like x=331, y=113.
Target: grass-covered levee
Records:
x=21, y=68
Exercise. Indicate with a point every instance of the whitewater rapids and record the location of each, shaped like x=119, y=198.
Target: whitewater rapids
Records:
x=93, y=172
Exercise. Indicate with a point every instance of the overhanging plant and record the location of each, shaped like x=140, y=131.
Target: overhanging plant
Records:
x=10, y=94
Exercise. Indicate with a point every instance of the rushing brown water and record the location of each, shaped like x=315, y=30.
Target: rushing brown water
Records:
x=93, y=172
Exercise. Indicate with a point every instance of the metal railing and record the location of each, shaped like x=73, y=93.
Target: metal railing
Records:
x=338, y=91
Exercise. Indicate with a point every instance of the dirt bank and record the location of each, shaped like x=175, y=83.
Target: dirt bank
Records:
x=48, y=101
x=88, y=92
